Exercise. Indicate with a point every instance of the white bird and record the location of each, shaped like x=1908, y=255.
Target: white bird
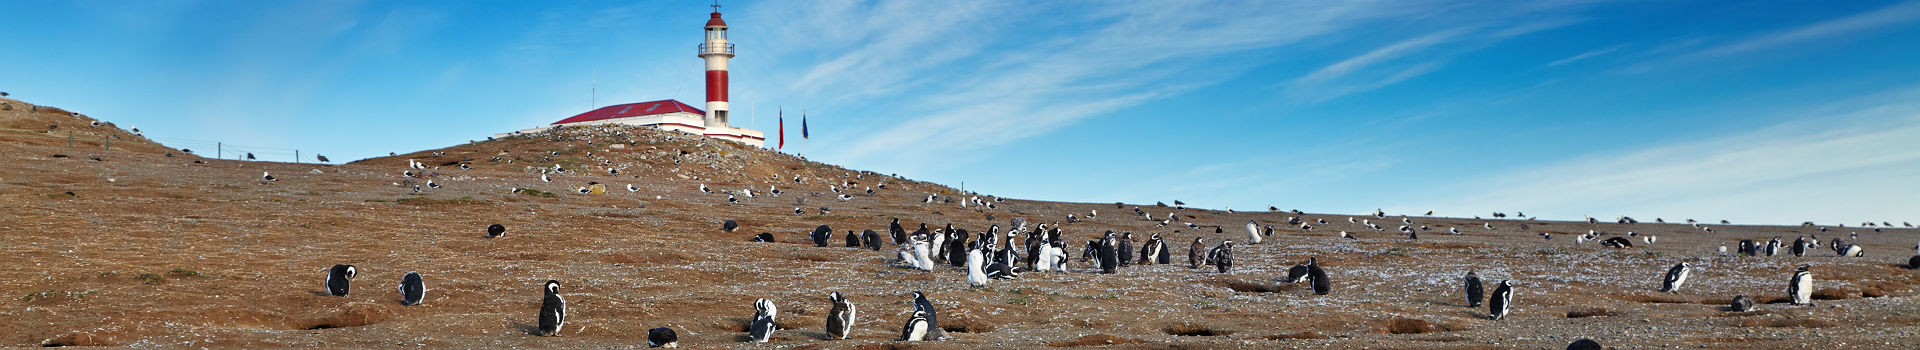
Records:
x=1453, y=230
x=430, y=184
x=630, y=188
x=703, y=188
x=544, y=178
x=264, y=176
x=1253, y=232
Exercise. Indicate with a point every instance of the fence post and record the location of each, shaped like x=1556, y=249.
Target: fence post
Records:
x=69, y=139
x=218, y=149
x=296, y=156
x=109, y=141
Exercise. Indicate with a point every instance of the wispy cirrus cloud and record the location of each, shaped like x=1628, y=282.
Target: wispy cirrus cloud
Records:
x=1780, y=174
x=1906, y=12
x=1586, y=55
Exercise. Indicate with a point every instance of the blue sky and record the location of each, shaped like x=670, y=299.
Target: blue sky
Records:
x=1754, y=111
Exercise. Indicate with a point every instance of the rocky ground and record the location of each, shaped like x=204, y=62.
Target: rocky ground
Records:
x=133, y=247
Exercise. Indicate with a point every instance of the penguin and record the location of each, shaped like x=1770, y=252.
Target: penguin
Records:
x=763, y=237
x=1502, y=300
x=1253, y=232
x=1585, y=344
x=1125, y=249
x=1321, y=284
x=899, y=234
x=1617, y=242
x=1475, y=290
x=729, y=226
x=975, y=258
x=1800, y=288
x=1741, y=303
x=1161, y=255
x=1221, y=257
x=763, y=326
x=920, y=304
x=1675, y=277
x=1723, y=249
x=840, y=318
x=921, y=259
x=553, y=310
x=917, y=327
x=1001, y=271
x=870, y=240
x=937, y=242
x=662, y=337
x=412, y=289
x=495, y=230
x=338, y=278
x=1298, y=273
x=1748, y=248
x=1108, y=254
x=1913, y=263
x=821, y=235
x=1194, y=252
x=1058, y=249
x=1799, y=247
x=1043, y=259
x=1151, y=249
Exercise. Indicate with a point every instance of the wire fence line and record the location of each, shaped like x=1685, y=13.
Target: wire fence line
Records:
x=223, y=150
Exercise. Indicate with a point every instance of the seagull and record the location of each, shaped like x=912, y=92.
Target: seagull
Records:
x=416, y=188
x=408, y=173
x=1489, y=225
x=1547, y=236
x=463, y=166
x=264, y=176
x=1344, y=234
x=612, y=171
x=585, y=190
x=845, y=197
x=630, y=188
x=730, y=199
x=1453, y=230
x=322, y=158
x=430, y=184
x=797, y=211
x=703, y=188
x=543, y=178
x=250, y=156
x=748, y=191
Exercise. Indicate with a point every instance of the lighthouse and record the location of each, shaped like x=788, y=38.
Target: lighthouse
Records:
x=716, y=51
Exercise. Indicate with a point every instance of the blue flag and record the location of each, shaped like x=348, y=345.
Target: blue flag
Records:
x=803, y=124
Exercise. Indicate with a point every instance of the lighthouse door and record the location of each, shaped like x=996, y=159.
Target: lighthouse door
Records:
x=720, y=117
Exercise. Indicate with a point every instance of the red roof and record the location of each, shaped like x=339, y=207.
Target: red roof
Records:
x=716, y=22
x=633, y=110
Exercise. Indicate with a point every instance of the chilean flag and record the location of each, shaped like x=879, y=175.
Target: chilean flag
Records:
x=783, y=130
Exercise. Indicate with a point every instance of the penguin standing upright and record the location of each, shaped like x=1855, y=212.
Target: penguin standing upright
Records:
x=1502, y=301
x=763, y=321
x=898, y=234
x=853, y=239
x=921, y=304
x=553, y=310
x=1321, y=284
x=840, y=318
x=937, y=241
x=917, y=327
x=957, y=247
x=1194, y=253
x=1125, y=249
x=821, y=235
x=338, y=279
x=975, y=260
x=1108, y=254
x=1475, y=290
x=1150, y=250
x=1221, y=257
x=1675, y=277
x=412, y=289
x=1800, y=288
x=1799, y=247
x=1253, y=232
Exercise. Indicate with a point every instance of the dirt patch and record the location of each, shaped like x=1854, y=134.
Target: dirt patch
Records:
x=1833, y=294
x=1590, y=312
x=1661, y=298
x=1402, y=325
x=1195, y=330
x=1094, y=340
x=354, y=315
x=75, y=339
x=958, y=324
x=1786, y=323
x=1300, y=335
x=1248, y=287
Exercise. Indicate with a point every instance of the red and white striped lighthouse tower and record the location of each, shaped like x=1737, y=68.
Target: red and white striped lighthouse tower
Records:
x=716, y=51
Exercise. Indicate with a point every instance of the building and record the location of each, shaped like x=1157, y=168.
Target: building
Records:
x=674, y=115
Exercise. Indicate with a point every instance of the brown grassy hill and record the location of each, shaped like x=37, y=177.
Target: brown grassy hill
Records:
x=29, y=124
x=144, y=250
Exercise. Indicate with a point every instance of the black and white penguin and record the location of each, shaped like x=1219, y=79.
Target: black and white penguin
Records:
x=338, y=278
x=1502, y=300
x=1253, y=232
x=870, y=240
x=1675, y=277
x=1298, y=273
x=917, y=328
x=921, y=304
x=763, y=326
x=1321, y=284
x=976, y=261
x=840, y=318
x=853, y=239
x=821, y=235
x=957, y=246
x=1799, y=247
x=898, y=234
x=1221, y=257
x=662, y=337
x=412, y=289
x=1617, y=242
x=553, y=310
x=1152, y=250
x=1741, y=303
x=1800, y=288
x=264, y=176
x=729, y=226
x=1195, y=254
x=1125, y=249
x=763, y=237
x=1109, y=254
x=1475, y=290
x=495, y=230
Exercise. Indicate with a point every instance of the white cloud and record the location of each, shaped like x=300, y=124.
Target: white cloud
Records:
x=1830, y=166
x=1586, y=55
x=1906, y=12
